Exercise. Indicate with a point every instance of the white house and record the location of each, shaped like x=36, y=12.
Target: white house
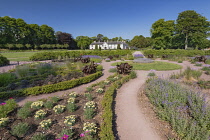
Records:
x=109, y=45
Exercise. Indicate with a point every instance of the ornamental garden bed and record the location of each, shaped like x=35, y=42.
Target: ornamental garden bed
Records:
x=49, y=77
x=72, y=116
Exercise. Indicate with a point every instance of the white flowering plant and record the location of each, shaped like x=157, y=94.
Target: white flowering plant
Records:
x=106, y=82
x=71, y=100
x=99, y=90
x=40, y=114
x=73, y=94
x=3, y=122
x=90, y=104
x=59, y=109
x=70, y=120
x=46, y=123
x=37, y=105
x=90, y=127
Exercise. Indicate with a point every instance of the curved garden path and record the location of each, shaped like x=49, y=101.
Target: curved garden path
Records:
x=131, y=121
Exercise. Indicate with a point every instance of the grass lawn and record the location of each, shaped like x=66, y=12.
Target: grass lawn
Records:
x=18, y=56
x=159, y=66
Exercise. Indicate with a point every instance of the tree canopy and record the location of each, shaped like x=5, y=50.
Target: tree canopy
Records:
x=189, y=30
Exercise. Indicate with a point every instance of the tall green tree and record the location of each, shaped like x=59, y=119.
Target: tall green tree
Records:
x=193, y=27
x=162, y=33
x=140, y=41
x=83, y=42
x=99, y=37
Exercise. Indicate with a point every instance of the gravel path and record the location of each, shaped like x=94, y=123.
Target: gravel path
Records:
x=131, y=121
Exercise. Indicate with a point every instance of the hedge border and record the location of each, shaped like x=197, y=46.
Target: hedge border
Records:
x=106, y=127
x=51, y=88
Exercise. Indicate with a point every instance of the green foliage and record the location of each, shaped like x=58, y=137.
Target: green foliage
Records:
x=157, y=65
x=112, y=70
x=140, y=42
x=69, y=132
x=39, y=136
x=51, y=88
x=190, y=73
x=89, y=113
x=48, y=104
x=71, y=107
x=3, y=60
x=55, y=99
x=173, y=52
x=186, y=110
x=193, y=27
x=204, y=84
x=54, y=55
x=7, y=107
x=106, y=132
x=20, y=129
x=133, y=74
x=89, y=96
x=24, y=112
x=6, y=78
x=162, y=32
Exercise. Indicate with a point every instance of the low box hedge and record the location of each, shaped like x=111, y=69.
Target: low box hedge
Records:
x=106, y=128
x=50, y=88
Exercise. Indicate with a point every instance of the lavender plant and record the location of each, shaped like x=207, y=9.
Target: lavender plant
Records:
x=186, y=110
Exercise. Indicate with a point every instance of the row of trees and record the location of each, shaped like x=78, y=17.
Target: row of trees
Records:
x=190, y=29
x=16, y=33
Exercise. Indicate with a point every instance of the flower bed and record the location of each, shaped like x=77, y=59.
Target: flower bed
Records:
x=66, y=123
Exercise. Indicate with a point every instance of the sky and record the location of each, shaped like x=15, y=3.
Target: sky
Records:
x=112, y=18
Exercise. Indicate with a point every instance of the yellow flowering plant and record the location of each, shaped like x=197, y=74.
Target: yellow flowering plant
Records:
x=37, y=105
x=40, y=114
x=46, y=123
x=90, y=127
x=70, y=120
x=3, y=122
x=71, y=100
x=73, y=94
x=99, y=90
x=59, y=109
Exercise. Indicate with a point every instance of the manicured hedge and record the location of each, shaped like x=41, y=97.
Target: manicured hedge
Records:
x=177, y=52
x=50, y=88
x=3, y=60
x=106, y=132
x=70, y=54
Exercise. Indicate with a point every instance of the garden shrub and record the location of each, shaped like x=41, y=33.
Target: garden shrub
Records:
x=71, y=54
x=3, y=60
x=7, y=107
x=51, y=88
x=6, y=78
x=20, y=129
x=175, y=52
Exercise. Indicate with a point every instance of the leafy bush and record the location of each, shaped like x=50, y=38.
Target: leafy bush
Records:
x=89, y=96
x=24, y=112
x=71, y=54
x=20, y=129
x=3, y=60
x=6, y=78
x=7, y=107
x=55, y=99
x=48, y=104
